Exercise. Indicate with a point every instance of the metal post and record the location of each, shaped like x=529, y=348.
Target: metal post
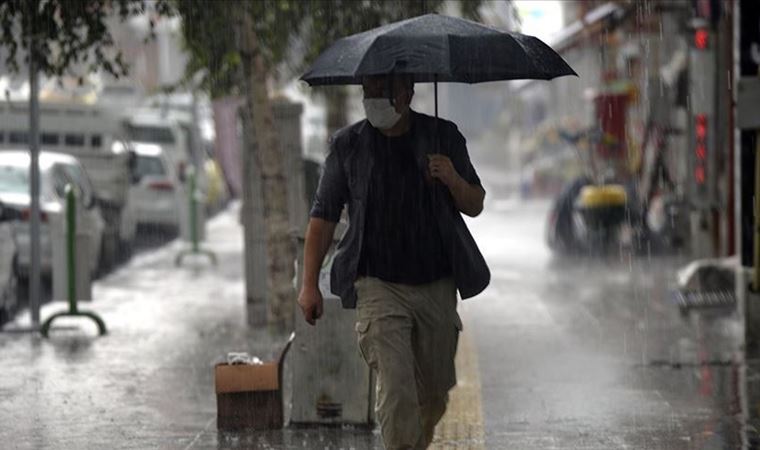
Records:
x=195, y=134
x=756, y=237
x=71, y=235
x=193, y=217
x=756, y=234
x=193, y=212
x=34, y=169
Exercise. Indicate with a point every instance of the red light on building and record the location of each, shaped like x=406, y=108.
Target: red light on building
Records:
x=700, y=148
x=699, y=174
x=701, y=151
x=701, y=38
x=701, y=129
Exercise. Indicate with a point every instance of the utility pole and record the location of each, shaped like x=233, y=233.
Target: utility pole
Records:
x=34, y=169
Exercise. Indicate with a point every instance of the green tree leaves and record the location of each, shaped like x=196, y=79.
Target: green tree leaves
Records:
x=291, y=32
x=69, y=37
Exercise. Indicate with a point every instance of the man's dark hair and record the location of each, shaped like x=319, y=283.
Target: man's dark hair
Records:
x=406, y=79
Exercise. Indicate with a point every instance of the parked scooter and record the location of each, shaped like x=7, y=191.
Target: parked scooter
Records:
x=596, y=214
x=591, y=212
x=589, y=218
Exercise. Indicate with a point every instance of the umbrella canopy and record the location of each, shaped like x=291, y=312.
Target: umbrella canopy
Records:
x=435, y=48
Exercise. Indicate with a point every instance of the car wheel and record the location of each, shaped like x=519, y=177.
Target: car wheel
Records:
x=107, y=258
x=126, y=248
x=9, y=299
x=22, y=288
x=97, y=269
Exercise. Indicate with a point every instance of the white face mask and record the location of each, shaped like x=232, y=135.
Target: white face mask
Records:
x=380, y=113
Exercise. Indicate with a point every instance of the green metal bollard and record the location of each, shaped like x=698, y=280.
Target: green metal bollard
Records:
x=193, y=212
x=71, y=270
x=193, y=217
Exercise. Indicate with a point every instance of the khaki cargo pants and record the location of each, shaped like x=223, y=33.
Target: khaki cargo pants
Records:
x=408, y=335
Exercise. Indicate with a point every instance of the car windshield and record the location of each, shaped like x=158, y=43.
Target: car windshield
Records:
x=77, y=176
x=146, y=133
x=150, y=165
x=14, y=180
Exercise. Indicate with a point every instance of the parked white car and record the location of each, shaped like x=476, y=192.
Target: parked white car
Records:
x=56, y=171
x=156, y=126
x=156, y=190
x=8, y=280
x=95, y=136
x=150, y=126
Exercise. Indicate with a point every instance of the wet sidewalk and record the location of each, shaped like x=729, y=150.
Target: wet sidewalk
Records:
x=589, y=355
x=149, y=383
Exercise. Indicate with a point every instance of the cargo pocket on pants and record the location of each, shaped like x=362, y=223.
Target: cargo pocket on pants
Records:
x=362, y=328
x=451, y=377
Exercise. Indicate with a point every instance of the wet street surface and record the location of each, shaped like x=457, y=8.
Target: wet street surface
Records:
x=571, y=354
x=585, y=354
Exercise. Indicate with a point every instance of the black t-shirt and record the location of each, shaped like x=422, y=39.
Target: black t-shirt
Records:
x=402, y=242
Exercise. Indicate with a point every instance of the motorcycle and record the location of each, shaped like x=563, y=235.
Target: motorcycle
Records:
x=596, y=214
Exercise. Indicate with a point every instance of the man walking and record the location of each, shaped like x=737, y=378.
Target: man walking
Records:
x=404, y=255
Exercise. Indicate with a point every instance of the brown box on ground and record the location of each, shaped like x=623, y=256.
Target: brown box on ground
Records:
x=250, y=395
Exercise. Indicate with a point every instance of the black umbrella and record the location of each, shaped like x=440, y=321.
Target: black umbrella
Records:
x=437, y=48
x=433, y=48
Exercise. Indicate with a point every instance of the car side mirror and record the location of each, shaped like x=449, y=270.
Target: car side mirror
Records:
x=134, y=176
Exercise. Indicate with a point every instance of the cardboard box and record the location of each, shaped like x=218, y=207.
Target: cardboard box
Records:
x=250, y=395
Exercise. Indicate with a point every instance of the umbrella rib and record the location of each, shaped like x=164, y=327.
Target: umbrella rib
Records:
x=527, y=54
x=448, y=56
x=364, y=57
x=385, y=29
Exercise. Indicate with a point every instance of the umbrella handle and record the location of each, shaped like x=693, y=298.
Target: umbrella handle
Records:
x=435, y=95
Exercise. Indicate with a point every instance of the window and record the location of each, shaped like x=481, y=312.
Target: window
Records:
x=150, y=165
x=187, y=133
x=96, y=141
x=146, y=133
x=49, y=139
x=18, y=137
x=14, y=180
x=60, y=180
x=74, y=140
x=2, y=137
x=74, y=174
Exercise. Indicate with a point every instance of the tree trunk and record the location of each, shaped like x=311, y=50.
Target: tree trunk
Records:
x=280, y=248
x=253, y=229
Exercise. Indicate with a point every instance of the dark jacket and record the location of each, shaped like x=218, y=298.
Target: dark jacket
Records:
x=346, y=181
